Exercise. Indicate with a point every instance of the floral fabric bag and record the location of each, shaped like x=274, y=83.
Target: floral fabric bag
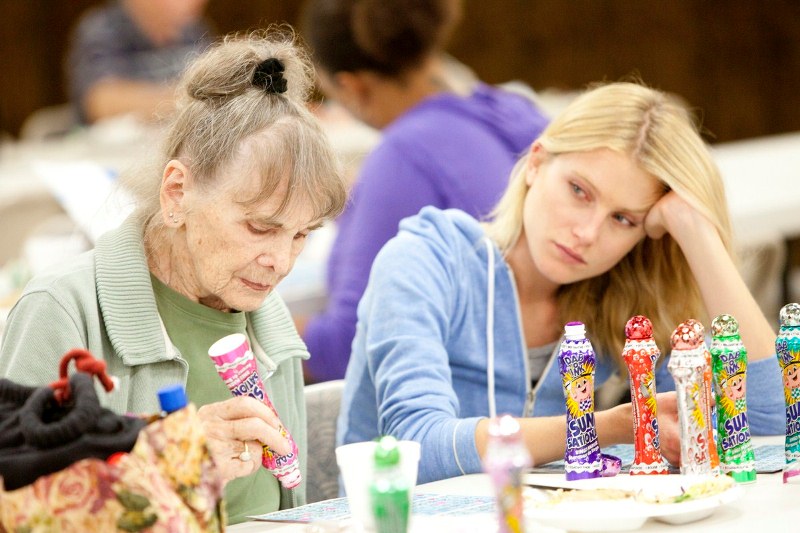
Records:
x=67, y=464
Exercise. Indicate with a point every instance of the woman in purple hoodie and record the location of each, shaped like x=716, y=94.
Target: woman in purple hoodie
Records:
x=443, y=144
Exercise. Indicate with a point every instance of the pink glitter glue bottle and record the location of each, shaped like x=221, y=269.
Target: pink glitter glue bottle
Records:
x=237, y=367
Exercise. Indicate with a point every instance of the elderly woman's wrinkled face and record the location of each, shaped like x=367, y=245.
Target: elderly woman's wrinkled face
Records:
x=235, y=253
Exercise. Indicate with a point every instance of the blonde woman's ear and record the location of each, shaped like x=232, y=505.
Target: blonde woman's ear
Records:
x=536, y=157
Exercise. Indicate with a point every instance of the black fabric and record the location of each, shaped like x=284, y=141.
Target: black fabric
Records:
x=269, y=76
x=12, y=398
x=39, y=437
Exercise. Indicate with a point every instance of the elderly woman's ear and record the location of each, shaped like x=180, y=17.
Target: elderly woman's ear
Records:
x=173, y=186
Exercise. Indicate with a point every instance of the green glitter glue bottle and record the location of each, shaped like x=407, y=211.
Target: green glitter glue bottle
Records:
x=729, y=365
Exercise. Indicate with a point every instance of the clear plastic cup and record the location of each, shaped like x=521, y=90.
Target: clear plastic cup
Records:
x=356, y=467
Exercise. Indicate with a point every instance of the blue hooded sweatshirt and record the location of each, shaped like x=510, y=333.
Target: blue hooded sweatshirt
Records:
x=448, y=151
x=419, y=365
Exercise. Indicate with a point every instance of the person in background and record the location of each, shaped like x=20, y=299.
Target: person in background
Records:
x=443, y=143
x=126, y=55
x=245, y=175
x=616, y=210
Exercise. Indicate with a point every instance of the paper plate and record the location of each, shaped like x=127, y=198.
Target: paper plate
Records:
x=624, y=514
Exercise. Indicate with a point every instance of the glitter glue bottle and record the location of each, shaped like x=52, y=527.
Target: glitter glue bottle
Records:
x=390, y=492
x=237, y=367
x=787, y=346
x=710, y=402
x=729, y=362
x=687, y=364
x=640, y=355
x=577, y=361
x=506, y=459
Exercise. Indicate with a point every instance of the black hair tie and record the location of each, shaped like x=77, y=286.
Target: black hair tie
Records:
x=269, y=76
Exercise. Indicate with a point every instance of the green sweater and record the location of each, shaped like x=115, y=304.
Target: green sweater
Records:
x=103, y=301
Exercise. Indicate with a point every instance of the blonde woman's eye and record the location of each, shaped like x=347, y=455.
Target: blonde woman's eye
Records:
x=300, y=236
x=577, y=191
x=625, y=221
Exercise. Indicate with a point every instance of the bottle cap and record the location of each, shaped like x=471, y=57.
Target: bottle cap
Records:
x=505, y=427
x=233, y=343
x=172, y=398
x=387, y=453
x=639, y=328
x=574, y=329
x=688, y=335
x=724, y=326
x=790, y=315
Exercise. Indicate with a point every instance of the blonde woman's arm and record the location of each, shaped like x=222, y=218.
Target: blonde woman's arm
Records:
x=721, y=285
x=545, y=437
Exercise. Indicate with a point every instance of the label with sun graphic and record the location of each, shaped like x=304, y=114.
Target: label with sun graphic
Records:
x=577, y=360
x=735, y=447
x=787, y=346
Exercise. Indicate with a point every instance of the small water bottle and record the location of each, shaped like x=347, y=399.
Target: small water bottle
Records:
x=506, y=460
x=390, y=491
x=171, y=399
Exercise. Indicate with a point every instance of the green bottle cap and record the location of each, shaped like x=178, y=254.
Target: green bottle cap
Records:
x=724, y=326
x=387, y=452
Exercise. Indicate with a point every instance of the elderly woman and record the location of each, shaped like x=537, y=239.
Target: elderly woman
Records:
x=246, y=174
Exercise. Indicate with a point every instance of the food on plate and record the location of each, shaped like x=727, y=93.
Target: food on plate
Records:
x=651, y=495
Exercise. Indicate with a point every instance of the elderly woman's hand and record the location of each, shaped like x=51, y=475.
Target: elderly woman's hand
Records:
x=239, y=424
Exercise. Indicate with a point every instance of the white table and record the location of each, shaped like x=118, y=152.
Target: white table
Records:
x=762, y=181
x=767, y=505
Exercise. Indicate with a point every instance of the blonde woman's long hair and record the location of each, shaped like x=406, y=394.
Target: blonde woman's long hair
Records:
x=654, y=278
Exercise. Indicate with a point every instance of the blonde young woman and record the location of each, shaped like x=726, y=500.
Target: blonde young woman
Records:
x=616, y=210
x=245, y=174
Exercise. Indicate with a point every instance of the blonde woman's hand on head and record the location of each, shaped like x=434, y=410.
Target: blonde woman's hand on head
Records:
x=241, y=424
x=675, y=215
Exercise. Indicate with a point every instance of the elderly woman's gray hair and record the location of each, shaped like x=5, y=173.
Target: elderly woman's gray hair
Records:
x=222, y=104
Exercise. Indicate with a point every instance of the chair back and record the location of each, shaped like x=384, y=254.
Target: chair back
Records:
x=48, y=123
x=322, y=404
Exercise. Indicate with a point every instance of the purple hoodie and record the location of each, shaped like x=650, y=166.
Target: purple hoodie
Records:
x=448, y=152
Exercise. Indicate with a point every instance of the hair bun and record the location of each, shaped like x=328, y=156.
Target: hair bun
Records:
x=269, y=76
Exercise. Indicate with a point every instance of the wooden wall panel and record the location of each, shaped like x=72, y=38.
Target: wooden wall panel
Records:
x=736, y=61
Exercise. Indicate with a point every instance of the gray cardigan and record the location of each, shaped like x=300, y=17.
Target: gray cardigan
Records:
x=103, y=301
